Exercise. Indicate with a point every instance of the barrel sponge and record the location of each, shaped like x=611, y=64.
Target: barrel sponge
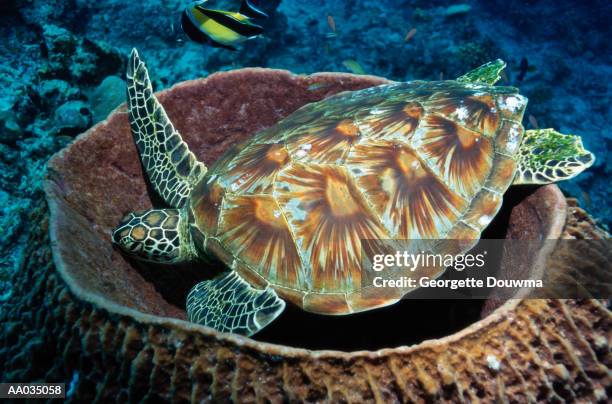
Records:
x=79, y=308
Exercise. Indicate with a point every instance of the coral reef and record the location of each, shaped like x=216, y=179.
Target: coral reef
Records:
x=77, y=322
x=45, y=106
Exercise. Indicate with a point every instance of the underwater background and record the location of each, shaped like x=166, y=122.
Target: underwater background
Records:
x=62, y=65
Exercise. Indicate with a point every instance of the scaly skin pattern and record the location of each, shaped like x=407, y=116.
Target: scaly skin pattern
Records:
x=547, y=156
x=418, y=160
x=153, y=233
x=547, y=351
x=230, y=304
x=489, y=73
x=170, y=165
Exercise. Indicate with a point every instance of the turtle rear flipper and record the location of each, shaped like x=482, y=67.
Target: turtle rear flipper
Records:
x=171, y=167
x=489, y=73
x=228, y=303
x=547, y=156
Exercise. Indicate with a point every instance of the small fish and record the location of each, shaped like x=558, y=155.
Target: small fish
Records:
x=332, y=26
x=523, y=69
x=534, y=122
x=218, y=28
x=353, y=66
x=586, y=197
x=410, y=34
x=331, y=23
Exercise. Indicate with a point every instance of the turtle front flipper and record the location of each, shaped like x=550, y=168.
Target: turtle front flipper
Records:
x=228, y=303
x=156, y=235
x=171, y=167
x=547, y=156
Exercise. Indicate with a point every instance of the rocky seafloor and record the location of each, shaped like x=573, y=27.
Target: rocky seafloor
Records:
x=62, y=64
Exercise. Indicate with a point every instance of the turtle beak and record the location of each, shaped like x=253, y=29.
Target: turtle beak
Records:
x=121, y=235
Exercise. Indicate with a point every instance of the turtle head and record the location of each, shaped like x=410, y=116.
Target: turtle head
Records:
x=156, y=235
x=547, y=156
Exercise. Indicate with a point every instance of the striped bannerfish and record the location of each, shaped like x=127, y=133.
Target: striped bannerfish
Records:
x=218, y=28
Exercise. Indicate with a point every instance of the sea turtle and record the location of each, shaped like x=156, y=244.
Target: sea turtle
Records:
x=286, y=210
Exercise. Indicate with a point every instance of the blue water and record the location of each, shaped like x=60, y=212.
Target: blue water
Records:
x=61, y=64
